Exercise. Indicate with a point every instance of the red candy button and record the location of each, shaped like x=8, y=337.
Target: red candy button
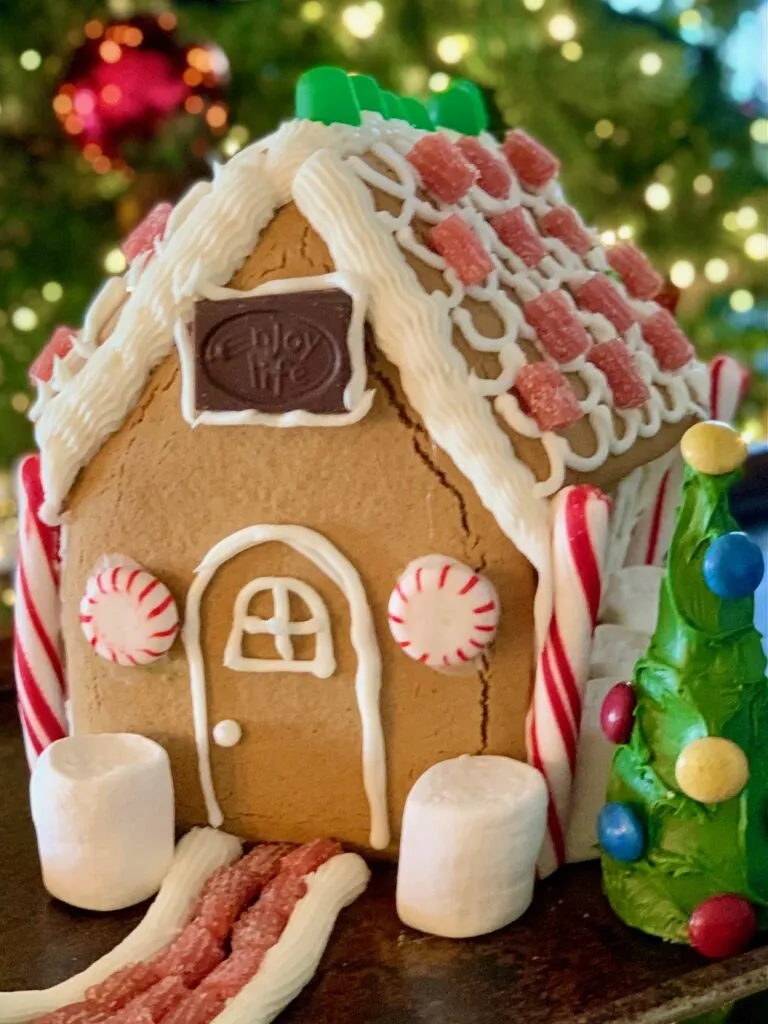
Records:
x=671, y=348
x=443, y=170
x=722, y=926
x=546, y=395
x=142, y=238
x=636, y=271
x=461, y=249
x=562, y=222
x=599, y=295
x=617, y=714
x=493, y=175
x=59, y=345
x=557, y=327
x=518, y=234
x=534, y=164
x=627, y=386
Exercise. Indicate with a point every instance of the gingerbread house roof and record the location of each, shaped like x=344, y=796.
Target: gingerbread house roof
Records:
x=506, y=318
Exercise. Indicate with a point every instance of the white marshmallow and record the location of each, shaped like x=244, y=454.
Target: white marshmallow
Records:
x=615, y=649
x=632, y=597
x=472, y=830
x=104, y=815
x=593, y=765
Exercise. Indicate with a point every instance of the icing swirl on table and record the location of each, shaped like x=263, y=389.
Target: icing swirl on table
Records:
x=197, y=856
x=292, y=962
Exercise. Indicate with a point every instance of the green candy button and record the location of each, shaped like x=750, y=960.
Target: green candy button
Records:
x=393, y=105
x=325, y=94
x=416, y=113
x=368, y=93
x=478, y=102
x=461, y=108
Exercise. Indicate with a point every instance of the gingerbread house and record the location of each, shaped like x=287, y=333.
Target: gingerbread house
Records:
x=365, y=356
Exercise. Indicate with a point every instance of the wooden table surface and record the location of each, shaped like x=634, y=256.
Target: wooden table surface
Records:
x=568, y=961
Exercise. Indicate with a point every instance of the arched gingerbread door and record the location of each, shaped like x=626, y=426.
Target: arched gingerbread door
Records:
x=265, y=609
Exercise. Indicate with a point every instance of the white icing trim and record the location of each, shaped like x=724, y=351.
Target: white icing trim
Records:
x=356, y=399
x=329, y=560
x=282, y=628
x=413, y=330
x=208, y=246
x=197, y=856
x=292, y=962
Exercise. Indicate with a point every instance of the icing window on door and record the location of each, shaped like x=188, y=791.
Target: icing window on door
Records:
x=282, y=628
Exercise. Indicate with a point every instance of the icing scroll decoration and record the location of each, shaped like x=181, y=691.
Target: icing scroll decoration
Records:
x=282, y=628
x=330, y=560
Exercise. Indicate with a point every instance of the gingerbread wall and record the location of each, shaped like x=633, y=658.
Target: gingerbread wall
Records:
x=164, y=494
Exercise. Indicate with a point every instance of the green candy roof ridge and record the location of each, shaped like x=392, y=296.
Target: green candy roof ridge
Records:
x=330, y=95
x=368, y=92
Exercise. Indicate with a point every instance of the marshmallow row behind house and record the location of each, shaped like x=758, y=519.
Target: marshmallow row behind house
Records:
x=103, y=811
x=472, y=831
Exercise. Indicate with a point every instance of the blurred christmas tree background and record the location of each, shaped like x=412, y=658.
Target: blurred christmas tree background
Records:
x=657, y=108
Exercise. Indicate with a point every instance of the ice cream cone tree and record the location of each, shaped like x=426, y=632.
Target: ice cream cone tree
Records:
x=684, y=832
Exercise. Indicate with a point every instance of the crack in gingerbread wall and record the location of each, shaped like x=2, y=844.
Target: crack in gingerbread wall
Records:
x=472, y=540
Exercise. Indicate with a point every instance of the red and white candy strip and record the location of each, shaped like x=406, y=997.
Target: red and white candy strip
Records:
x=728, y=385
x=579, y=548
x=128, y=616
x=37, y=650
x=442, y=613
x=729, y=382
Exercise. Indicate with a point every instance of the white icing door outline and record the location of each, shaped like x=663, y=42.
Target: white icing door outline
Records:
x=340, y=570
x=281, y=627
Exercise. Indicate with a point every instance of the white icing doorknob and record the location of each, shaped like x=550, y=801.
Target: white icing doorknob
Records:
x=104, y=815
x=128, y=616
x=227, y=733
x=443, y=613
x=472, y=831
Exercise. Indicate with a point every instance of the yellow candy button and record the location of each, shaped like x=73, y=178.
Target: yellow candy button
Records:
x=713, y=448
x=711, y=770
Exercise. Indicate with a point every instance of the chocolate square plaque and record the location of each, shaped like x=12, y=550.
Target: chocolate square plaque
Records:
x=273, y=353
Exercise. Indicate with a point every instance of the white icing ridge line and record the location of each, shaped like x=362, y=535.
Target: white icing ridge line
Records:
x=197, y=856
x=282, y=628
x=336, y=566
x=357, y=400
x=210, y=244
x=414, y=332
x=292, y=962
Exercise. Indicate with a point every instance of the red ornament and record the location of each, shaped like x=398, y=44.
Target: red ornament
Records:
x=128, y=78
x=722, y=926
x=617, y=713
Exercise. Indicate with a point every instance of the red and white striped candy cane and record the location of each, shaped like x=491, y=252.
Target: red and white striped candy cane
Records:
x=37, y=651
x=729, y=382
x=579, y=547
x=653, y=531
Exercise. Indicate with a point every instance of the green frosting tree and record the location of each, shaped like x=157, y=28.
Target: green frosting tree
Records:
x=684, y=835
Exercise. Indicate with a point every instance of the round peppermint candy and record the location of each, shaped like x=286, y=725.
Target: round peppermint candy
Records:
x=128, y=616
x=443, y=613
